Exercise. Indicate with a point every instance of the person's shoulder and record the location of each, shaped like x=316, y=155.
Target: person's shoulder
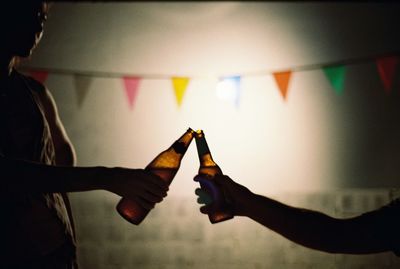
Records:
x=31, y=82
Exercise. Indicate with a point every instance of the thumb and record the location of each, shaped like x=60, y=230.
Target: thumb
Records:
x=224, y=181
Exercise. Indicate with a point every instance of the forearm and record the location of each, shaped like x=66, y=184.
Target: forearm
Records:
x=18, y=175
x=314, y=229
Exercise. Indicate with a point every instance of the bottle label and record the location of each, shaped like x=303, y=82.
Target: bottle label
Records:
x=179, y=147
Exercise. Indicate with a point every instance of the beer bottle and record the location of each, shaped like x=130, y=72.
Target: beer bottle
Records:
x=165, y=165
x=220, y=210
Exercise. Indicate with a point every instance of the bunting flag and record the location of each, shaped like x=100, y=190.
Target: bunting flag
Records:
x=82, y=84
x=228, y=88
x=40, y=76
x=131, y=88
x=386, y=69
x=282, y=80
x=335, y=75
x=180, y=84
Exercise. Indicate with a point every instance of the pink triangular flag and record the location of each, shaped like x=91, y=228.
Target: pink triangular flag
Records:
x=131, y=88
x=386, y=68
x=40, y=76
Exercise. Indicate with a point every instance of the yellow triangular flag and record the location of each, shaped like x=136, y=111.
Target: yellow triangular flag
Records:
x=282, y=80
x=180, y=84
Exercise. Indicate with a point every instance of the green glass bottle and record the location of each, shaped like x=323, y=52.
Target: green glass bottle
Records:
x=220, y=209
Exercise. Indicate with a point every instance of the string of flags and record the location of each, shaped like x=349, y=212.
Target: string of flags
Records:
x=228, y=87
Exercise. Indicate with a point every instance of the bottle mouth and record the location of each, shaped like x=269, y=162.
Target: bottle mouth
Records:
x=199, y=133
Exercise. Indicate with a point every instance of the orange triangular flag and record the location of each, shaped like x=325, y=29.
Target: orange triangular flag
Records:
x=386, y=67
x=282, y=80
x=40, y=76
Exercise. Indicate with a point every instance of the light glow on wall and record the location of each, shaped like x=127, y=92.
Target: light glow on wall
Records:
x=228, y=89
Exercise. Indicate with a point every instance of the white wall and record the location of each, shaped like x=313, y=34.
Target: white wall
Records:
x=315, y=142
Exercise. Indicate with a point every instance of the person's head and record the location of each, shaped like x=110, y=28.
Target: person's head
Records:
x=21, y=25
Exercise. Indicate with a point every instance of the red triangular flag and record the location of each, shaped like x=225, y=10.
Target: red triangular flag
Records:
x=131, y=88
x=282, y=79
x=40, y=76
x=386, y=67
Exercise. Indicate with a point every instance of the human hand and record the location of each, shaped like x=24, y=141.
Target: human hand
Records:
x=236, y=195
x=138, y=185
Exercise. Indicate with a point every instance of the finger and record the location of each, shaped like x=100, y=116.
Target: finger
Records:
x=206, y=200
x=156, y=180
x=200, y=201
x=197, y=191
x=150, y=197
x=144, y=203
x=204, y=209
x=154, y=188
x=204, y=197
x=198, y=178
x=200, y=192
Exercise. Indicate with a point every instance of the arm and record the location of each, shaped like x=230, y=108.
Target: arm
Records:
x=25, y=176
x=358, y=235
x=136, y=184
x=317, y=230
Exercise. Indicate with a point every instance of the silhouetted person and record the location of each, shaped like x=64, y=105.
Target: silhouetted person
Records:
x=371, y=232
x=37, y=158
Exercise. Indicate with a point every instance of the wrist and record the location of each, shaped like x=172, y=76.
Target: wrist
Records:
x=101, y=178
x=250, y=205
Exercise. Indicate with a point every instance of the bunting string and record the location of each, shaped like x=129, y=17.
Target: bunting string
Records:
x=299, y=68
x=335, y=71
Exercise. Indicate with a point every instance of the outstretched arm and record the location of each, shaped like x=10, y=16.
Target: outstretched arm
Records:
x=24, y=176
x=136, y=184
x=313, y=229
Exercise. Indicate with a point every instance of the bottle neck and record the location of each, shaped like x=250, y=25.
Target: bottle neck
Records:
x=181, y=145
x=203, y=151
x=202, y=146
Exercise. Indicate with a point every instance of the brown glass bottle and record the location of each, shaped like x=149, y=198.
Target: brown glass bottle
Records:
x=165, y=165
x=220, y=209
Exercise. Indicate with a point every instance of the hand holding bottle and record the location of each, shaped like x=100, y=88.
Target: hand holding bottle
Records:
x=137, y=185
x=239, y=197
x=219, y=210
x=165, y=166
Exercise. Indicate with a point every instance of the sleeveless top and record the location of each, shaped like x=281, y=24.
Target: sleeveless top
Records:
x=33, y=224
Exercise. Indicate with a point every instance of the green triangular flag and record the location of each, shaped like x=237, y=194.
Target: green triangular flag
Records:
x=335, y=74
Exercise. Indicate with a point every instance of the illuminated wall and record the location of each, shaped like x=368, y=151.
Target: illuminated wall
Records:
x=317, y=149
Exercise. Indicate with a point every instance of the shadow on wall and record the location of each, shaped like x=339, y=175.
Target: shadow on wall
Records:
x=370, y=125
